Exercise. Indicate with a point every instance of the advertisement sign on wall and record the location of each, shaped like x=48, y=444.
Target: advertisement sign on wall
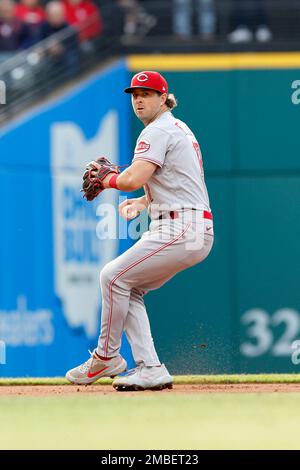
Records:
x=50, y=249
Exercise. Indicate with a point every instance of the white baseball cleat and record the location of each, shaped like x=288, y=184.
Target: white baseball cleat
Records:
x=94, y=368
x=144, y=378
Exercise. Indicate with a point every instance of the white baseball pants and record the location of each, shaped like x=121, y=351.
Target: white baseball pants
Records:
x=168, y=247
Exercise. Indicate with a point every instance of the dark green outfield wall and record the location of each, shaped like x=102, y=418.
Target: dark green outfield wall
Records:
x=240, y=310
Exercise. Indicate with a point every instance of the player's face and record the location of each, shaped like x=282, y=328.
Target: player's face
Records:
x=147, y=104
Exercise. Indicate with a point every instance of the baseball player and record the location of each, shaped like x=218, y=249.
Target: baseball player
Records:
x=167, y=163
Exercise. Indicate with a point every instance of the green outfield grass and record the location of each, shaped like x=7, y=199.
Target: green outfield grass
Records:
x=179, y=379
x=153, y=421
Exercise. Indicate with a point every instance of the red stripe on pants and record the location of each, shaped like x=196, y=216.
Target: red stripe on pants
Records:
x=124, y=271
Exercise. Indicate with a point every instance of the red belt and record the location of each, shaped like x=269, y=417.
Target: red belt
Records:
x=175, y=215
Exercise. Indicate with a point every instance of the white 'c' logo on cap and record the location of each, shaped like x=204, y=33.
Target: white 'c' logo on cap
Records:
x=142, y=77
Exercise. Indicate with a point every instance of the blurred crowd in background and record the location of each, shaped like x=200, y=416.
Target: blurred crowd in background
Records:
x=43, y=43
x=27, y=22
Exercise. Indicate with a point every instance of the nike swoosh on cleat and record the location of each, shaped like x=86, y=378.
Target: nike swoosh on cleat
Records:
x=93, y=374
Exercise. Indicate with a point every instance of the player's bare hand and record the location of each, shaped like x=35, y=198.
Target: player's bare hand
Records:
x=131, y=208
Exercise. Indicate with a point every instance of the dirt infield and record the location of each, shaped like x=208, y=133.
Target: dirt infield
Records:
x=54, y=390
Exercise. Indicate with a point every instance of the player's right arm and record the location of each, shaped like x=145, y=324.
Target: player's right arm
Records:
x=149, y=155
x=136, y=175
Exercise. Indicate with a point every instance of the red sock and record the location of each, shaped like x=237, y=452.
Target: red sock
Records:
x=103, y=358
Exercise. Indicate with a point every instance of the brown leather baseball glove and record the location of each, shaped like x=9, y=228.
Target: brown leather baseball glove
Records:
x=95, y=173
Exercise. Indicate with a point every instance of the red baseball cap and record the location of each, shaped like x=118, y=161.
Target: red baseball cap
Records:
x=148, y=79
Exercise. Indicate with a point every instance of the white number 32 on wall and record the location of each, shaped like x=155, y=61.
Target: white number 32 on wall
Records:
x=259, y=329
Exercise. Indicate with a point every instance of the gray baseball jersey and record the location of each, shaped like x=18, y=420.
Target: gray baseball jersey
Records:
x=168, y=247
x=179, y=179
